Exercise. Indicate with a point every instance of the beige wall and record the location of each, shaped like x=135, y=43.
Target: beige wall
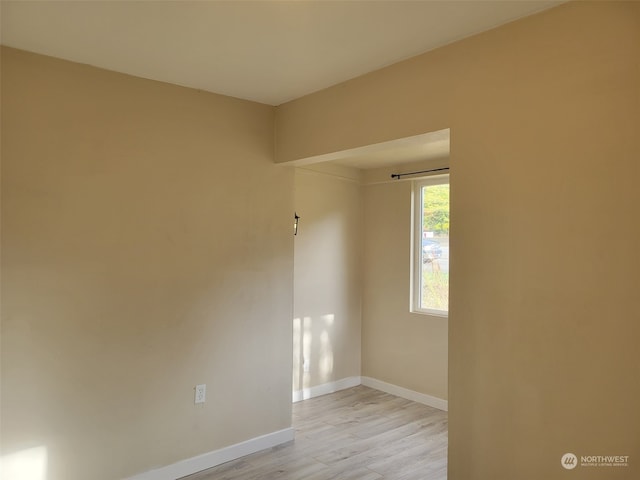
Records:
x=130, y=272
x=544, y=313
x=398, y=347
x=327, y=276
x=146, y=248
x=349, y=214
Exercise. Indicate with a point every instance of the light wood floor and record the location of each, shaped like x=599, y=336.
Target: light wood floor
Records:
x=354, y=434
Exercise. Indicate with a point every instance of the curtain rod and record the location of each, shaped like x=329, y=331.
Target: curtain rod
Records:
x=398, y=175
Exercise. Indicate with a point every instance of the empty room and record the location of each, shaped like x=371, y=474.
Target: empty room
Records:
x=375, y=240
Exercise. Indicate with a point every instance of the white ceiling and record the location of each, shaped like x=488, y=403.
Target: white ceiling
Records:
x=267, y=51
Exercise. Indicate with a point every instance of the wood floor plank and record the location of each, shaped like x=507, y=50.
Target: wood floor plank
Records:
x=354, y=434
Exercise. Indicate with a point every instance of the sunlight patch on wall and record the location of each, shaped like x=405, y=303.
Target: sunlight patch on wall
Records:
x=329, y=319
x=297, y=354
x=302, y=341
x=313, y=357
x=325, y=362
x=29, y=464
x=307, y=337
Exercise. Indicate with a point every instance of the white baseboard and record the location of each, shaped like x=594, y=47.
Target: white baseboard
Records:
x=423, y=398
x=349, y=382
x=217, y=457
x=325, y=388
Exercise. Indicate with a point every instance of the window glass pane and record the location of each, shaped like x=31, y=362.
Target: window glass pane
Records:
x=434, y=281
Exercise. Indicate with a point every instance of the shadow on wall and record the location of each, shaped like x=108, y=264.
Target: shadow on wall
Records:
x=312, y=363
x=28, y=464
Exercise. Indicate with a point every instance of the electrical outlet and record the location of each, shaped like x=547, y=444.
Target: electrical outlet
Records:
x=305, y=365
x=201, y=391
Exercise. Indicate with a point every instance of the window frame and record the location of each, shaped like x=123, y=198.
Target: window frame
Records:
x=416, y=243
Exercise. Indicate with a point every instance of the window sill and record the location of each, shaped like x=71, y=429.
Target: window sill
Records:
x=431, y=313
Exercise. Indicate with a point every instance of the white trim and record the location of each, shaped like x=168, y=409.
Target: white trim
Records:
x=432, y=313
x=417, y=205
x=211, y=459
x=325, y=388
x=423, y=398
x=349, y=382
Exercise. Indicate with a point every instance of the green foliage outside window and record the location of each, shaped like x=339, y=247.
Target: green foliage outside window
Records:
x=436, y=209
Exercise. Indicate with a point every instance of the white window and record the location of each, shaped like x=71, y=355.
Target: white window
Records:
x=430, y=283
